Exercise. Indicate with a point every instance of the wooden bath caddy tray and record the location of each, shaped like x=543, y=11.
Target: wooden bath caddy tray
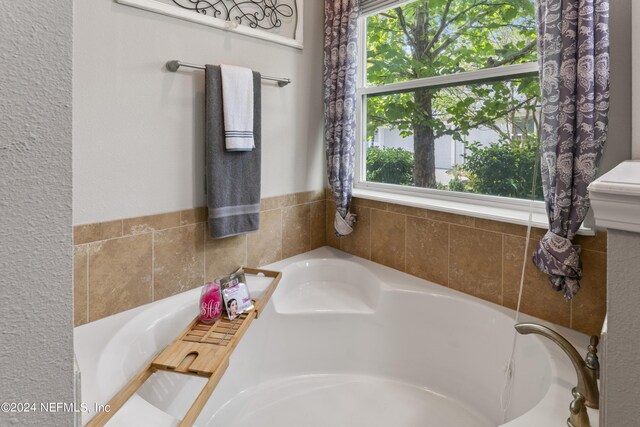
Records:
x=201, y=350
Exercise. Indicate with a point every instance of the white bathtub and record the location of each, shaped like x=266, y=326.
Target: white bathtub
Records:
x=343, y=342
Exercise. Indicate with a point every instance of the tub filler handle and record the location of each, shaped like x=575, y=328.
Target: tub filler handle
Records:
x=586, y=393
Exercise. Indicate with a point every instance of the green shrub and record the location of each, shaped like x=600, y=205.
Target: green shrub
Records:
x=502, y=169
x=456, y=184
x=390, y=165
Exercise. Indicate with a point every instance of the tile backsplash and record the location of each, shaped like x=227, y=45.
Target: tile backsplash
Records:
x=476, y=256
x=125, y=263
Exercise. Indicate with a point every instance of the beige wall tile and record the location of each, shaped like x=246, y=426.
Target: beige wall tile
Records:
x=119, y=275
x=501, y=227
x=275, y=202
x=440, y=247
x=451, y=218
x=296, y=230
x=374, y=204
x=330, y=230
x=358, y=243
x=88, y=233
x=318, y=224
x=287, y=200
x=538, y=298
x=316, y=195
x=146, y=224
x=475, y=262
x=590, y=303
x=194, y=216
x=303, y=197
x=224, y=256
x=407, y=210
x=538, y=233
x=594, y=243
x=80, y=270
x=428, y=250
x=265, y=246
x=388, y=238
x=178, y=263
x=293, y=199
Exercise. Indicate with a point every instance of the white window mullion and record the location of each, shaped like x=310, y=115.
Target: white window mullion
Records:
x=467, y=77
x=361, y=109
x=371, y=7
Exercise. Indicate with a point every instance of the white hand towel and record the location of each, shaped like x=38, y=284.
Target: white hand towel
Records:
x=237, y=100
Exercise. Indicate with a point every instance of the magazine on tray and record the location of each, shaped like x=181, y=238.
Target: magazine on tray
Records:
x=235, y=294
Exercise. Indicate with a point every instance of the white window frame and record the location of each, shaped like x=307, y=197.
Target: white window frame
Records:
x=499, y=208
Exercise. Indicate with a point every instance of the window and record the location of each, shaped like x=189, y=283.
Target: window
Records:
x=448, y=98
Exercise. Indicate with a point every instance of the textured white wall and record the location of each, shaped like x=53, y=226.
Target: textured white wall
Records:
x=635, y=61
x=618, y=148
x=622, y=364
x=138, y=143
x=36, y=318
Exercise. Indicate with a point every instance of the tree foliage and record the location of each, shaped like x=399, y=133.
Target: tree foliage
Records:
x=428, y=38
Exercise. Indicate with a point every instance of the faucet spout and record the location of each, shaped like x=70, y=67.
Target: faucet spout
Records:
x=587, y=374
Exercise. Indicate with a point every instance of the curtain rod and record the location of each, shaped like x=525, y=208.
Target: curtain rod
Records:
x=175, y=64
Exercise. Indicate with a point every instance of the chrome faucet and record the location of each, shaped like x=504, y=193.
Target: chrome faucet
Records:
x=586, y=393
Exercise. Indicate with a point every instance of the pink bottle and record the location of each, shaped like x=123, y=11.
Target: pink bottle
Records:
x=210, y=303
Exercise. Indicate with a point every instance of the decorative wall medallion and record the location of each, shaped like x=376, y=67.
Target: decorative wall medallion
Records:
x=279, y=21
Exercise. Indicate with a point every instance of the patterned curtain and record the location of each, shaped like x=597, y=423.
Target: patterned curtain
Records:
x=340, y=60
x=573, y=52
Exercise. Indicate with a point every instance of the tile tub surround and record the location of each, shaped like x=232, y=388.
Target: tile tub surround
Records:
x=476, y=256
x=125, y=263
x=122, y=264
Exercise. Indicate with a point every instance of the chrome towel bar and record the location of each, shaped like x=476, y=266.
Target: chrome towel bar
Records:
x=173, y=65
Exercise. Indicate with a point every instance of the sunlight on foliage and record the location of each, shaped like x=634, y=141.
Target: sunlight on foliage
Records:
x=430, y=38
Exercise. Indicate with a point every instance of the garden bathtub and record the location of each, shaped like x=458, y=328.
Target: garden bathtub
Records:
x=342, y=342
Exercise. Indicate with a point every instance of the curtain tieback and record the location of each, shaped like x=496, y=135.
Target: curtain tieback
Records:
x=560, y=259
x=344, y=225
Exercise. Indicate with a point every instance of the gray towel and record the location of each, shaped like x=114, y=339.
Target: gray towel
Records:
x=233, y=177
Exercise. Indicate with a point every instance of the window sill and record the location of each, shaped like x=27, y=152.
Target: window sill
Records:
x=512, y=215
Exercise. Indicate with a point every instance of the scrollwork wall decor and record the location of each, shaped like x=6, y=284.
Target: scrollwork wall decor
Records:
x=265, y=14
x=279, y=21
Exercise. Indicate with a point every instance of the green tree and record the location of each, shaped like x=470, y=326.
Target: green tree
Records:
x=430, y=38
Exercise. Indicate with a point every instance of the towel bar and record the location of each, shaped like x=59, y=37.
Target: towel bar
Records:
x=173, y=65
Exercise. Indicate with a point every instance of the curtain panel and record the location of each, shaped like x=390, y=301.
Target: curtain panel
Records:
x=573, y=53
x=340, y=71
